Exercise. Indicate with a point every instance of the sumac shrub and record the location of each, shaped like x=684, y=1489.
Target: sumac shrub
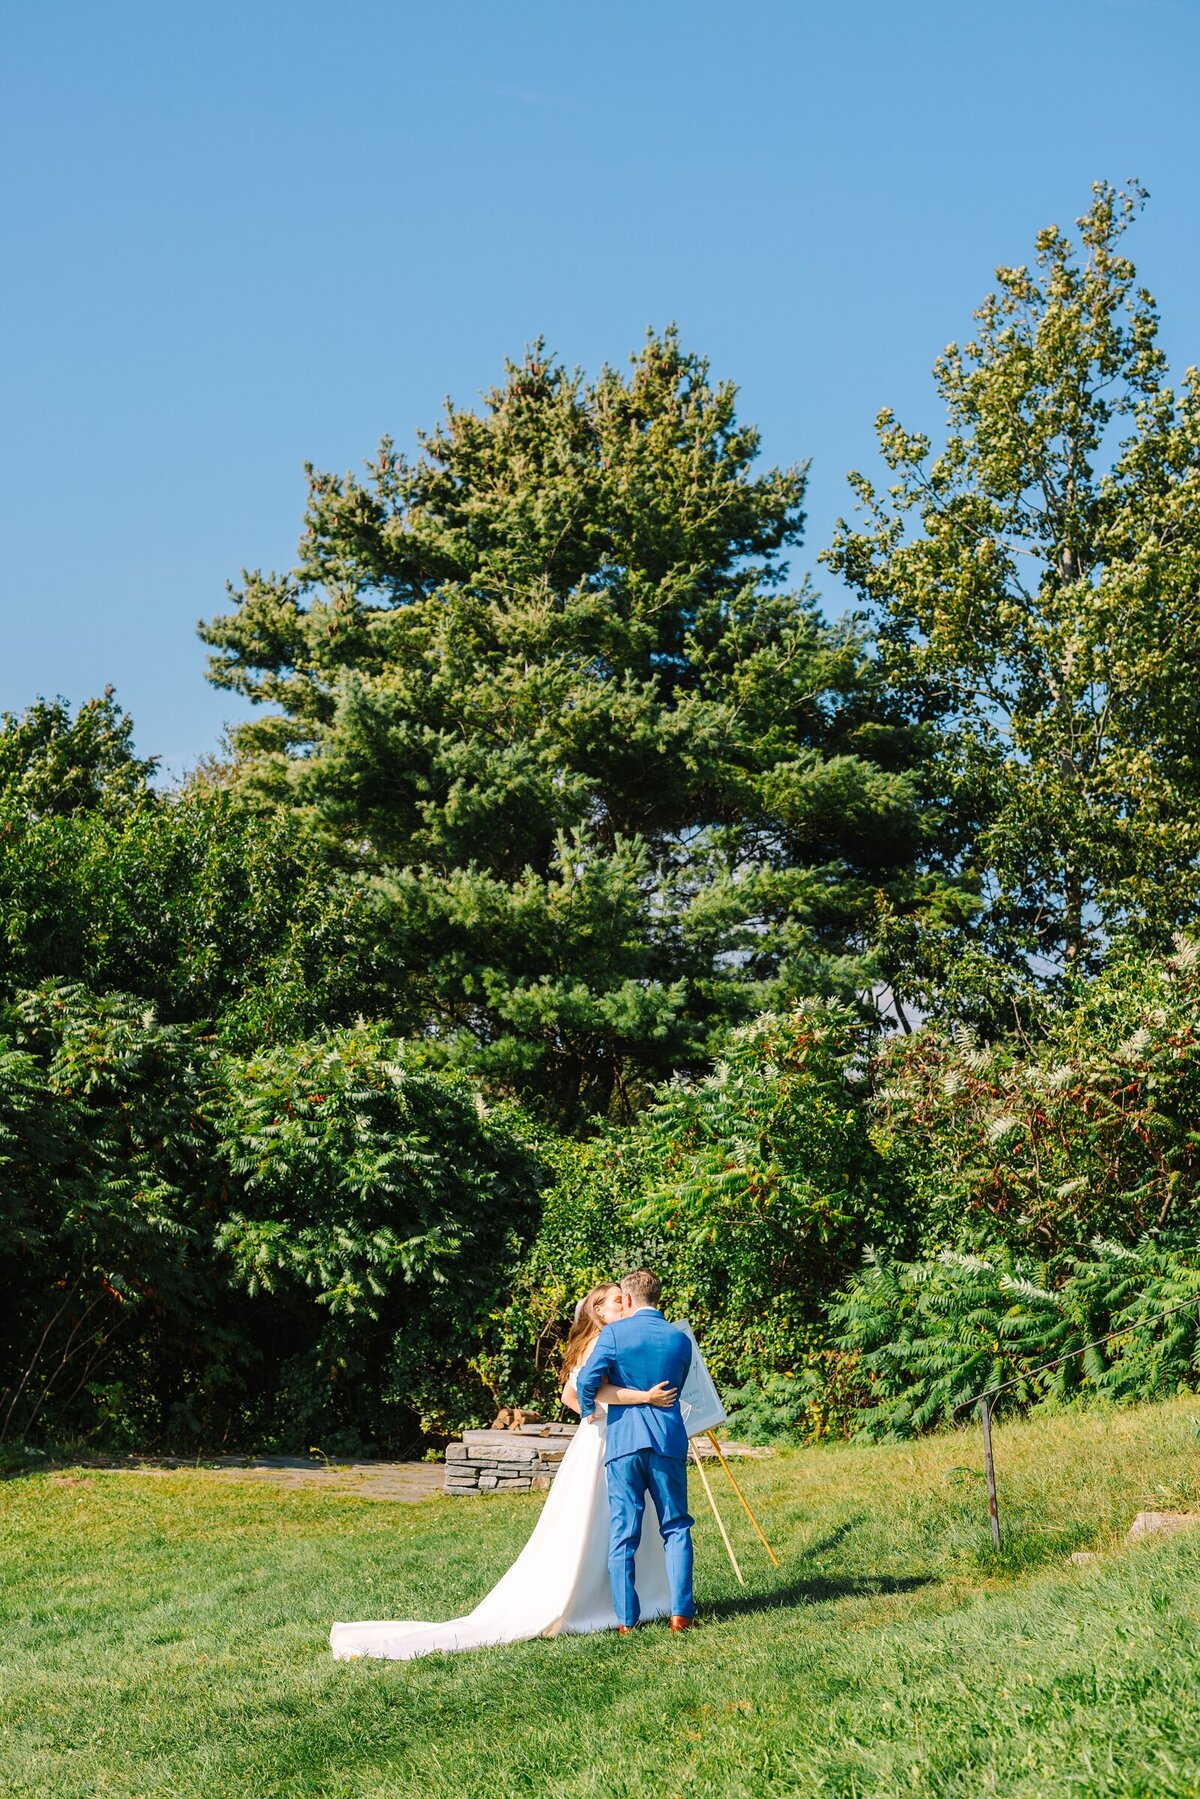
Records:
x=930, y=1335
x=1093, y=1129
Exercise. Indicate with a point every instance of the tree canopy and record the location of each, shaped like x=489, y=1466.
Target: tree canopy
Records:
x=616, y=783
x=561, y=789
x=1037, y=582
x=53, y=764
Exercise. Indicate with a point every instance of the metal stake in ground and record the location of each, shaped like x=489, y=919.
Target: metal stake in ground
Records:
x=1028, y=1380
x=985, y=1414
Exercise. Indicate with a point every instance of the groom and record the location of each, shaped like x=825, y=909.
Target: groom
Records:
x=646, y=1451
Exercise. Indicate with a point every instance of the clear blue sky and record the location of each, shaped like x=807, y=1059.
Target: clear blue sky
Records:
x=236, y=237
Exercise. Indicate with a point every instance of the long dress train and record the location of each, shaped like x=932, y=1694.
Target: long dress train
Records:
x=557, y=1585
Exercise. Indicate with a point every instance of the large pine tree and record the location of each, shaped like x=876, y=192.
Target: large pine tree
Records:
x=616, y=784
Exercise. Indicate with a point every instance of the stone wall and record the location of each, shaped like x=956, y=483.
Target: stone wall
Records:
x=513, y=1461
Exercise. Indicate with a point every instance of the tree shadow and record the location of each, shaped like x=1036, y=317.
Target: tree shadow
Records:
x=818, y=1589
x=833, y=1540
x=93, y=1461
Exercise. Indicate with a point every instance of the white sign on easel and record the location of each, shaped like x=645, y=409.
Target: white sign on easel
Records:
x=699, y=1400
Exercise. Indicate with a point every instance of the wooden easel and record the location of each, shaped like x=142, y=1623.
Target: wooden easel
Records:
x=713, y=1503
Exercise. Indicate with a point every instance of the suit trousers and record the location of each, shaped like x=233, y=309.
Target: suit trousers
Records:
x=630, y=1479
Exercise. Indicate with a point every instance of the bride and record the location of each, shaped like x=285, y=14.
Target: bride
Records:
x=559, y=1582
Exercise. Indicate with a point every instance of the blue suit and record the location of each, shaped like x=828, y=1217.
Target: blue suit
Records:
x=646, y=1453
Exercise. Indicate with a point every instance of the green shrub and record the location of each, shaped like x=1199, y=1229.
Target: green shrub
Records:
x=106, y=1182
x=931, y=1335
x=821, y=1397
x=1092, y=1130
x=199, y=906
x=381, y=1208
x=752, y=1193
x=298, y=1246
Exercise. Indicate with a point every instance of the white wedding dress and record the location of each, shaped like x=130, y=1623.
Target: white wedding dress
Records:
x=557, y=1585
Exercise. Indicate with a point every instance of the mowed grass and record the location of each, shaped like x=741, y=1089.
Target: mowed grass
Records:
x=166, y=1637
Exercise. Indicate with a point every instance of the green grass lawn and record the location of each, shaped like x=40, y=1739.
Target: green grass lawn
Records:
x=166, y=1636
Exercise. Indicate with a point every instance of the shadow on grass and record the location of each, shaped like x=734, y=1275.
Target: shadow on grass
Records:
x=101, y=1461
x=819, y=1589
x=832, y=1540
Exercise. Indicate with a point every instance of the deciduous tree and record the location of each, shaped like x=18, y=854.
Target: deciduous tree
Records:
x=1037, y=584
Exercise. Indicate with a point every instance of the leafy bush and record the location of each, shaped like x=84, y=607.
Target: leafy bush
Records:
x=297, y=1246
x=105, y=1178
x=1092, y=1130
x=931, y=1335
x=821, y=1397
x=753, y=1193
x=382, y=1209
x=196, y=904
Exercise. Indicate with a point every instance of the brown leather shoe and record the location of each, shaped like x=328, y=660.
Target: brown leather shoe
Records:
x=625, y=1630
x=678, y=1623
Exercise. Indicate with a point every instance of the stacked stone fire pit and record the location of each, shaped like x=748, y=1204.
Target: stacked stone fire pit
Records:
x=513, y=1461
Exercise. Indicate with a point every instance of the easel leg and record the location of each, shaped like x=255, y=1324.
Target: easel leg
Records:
x=745, y=1502
x=716, y=1514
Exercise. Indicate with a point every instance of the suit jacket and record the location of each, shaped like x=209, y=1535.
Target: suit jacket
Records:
x=639, y=1351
